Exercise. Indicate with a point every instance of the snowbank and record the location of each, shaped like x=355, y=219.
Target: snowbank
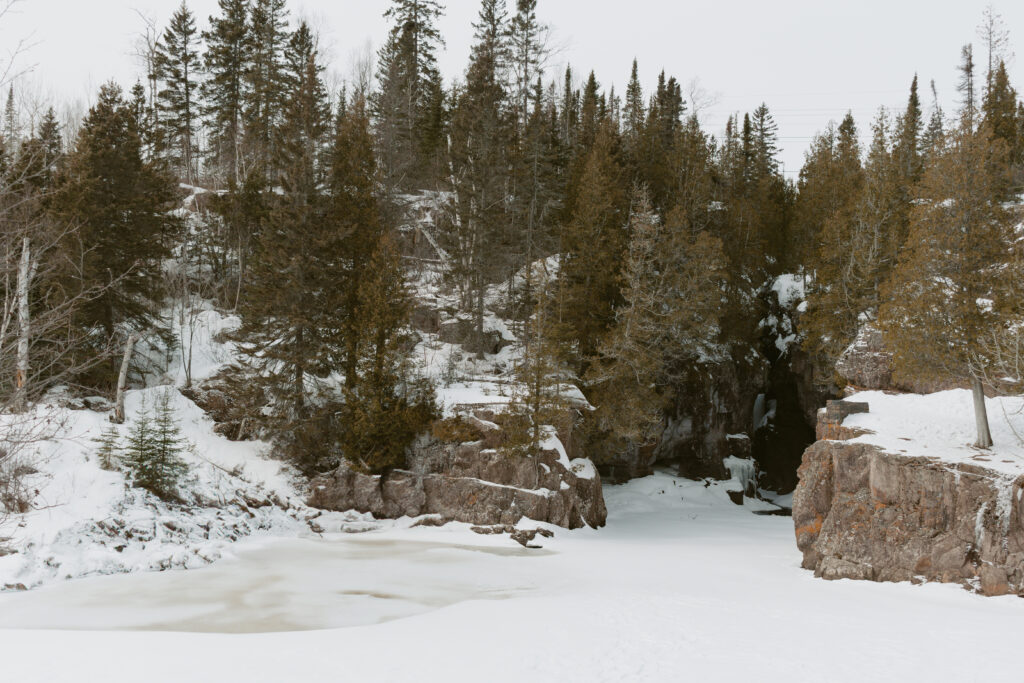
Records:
x=941, y=426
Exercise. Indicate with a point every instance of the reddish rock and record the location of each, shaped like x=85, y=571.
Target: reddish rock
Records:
x=862, y=513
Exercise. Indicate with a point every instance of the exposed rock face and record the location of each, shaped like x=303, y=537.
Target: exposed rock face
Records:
x=867, y=364
x=862, y=513
x=468, y=483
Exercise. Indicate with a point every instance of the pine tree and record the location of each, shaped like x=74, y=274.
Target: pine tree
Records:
x=594, y=244
x=666, y=329
x=944, y=299
x=264, y=93
x=119, y=204
x=108, y=448
x=481, y=141
x=999, y=111
x=405, y=105
x=226, y=61
x=177, y=63
x=634, y=116
x=154, y=448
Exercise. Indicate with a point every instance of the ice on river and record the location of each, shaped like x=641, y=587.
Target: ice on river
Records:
x=681, y=585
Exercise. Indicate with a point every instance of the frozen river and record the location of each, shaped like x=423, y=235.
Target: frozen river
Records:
x=680, y=586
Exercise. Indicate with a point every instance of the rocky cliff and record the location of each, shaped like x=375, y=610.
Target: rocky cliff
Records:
x=866, y=510
x=475, y=483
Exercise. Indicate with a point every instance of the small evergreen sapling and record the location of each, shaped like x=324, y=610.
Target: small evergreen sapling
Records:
x=108, y=450
x=155, y=445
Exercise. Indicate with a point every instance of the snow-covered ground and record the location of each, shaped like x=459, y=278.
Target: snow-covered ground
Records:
x=681, y=585
x=941, y=426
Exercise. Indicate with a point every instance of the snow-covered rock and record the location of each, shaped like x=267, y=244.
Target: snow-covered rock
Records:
x=899, y=494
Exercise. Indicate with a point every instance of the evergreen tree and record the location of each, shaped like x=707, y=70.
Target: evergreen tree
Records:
x=932, y=139
x=228, y=47
x=405, y=105
x=264, y=92
x=666, y=328
x=177, y=63
x=634, y=116
x=481, y=142
x=527, y=54
x=907, y=147
x=153, y=452
x=999, y=111
x=108, y=448
x=594, y=244
x=119, y=204
x=944, y=299
x=294, y=281
x=386, y=408
x=966, y=88
x=12, y=124
x=540, y=400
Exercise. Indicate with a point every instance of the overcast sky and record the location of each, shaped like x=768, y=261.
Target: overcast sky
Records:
x=810, y=60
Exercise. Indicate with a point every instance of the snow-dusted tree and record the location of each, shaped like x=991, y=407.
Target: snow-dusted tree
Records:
x=153, y=451
x=667, y=327
x=952, y=287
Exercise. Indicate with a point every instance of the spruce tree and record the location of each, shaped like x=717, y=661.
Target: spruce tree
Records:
x=666, y=330
x=226, y=60
x=943, y=301
x=527, y=55
x=108, y=448
x=120, y=205
x=594, y=244
x=999, y=111
x=386, y=408
x=177, y=63
x=405, y=104
x=153, y=452
x=264, y=93
x=293, y=277
x=633, y=118
x=907, y=145
x=481, y=140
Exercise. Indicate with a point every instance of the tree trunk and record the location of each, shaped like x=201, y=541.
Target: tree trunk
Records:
x=122, y=378
x=981, y=414
x=24, y=327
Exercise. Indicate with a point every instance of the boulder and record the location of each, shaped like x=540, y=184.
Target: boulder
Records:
x=862, y=513
x=426, y=319
x=463, y=332
x=867, y=364
x=472, y=484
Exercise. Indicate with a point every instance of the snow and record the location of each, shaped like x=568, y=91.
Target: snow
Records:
x=790, y=289
x=941, y=426
x=89, y=521
x=681, y=585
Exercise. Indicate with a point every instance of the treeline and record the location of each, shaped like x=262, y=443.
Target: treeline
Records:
x=668, y=237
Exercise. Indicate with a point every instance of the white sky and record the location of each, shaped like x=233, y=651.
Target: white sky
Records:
x=810, y=60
